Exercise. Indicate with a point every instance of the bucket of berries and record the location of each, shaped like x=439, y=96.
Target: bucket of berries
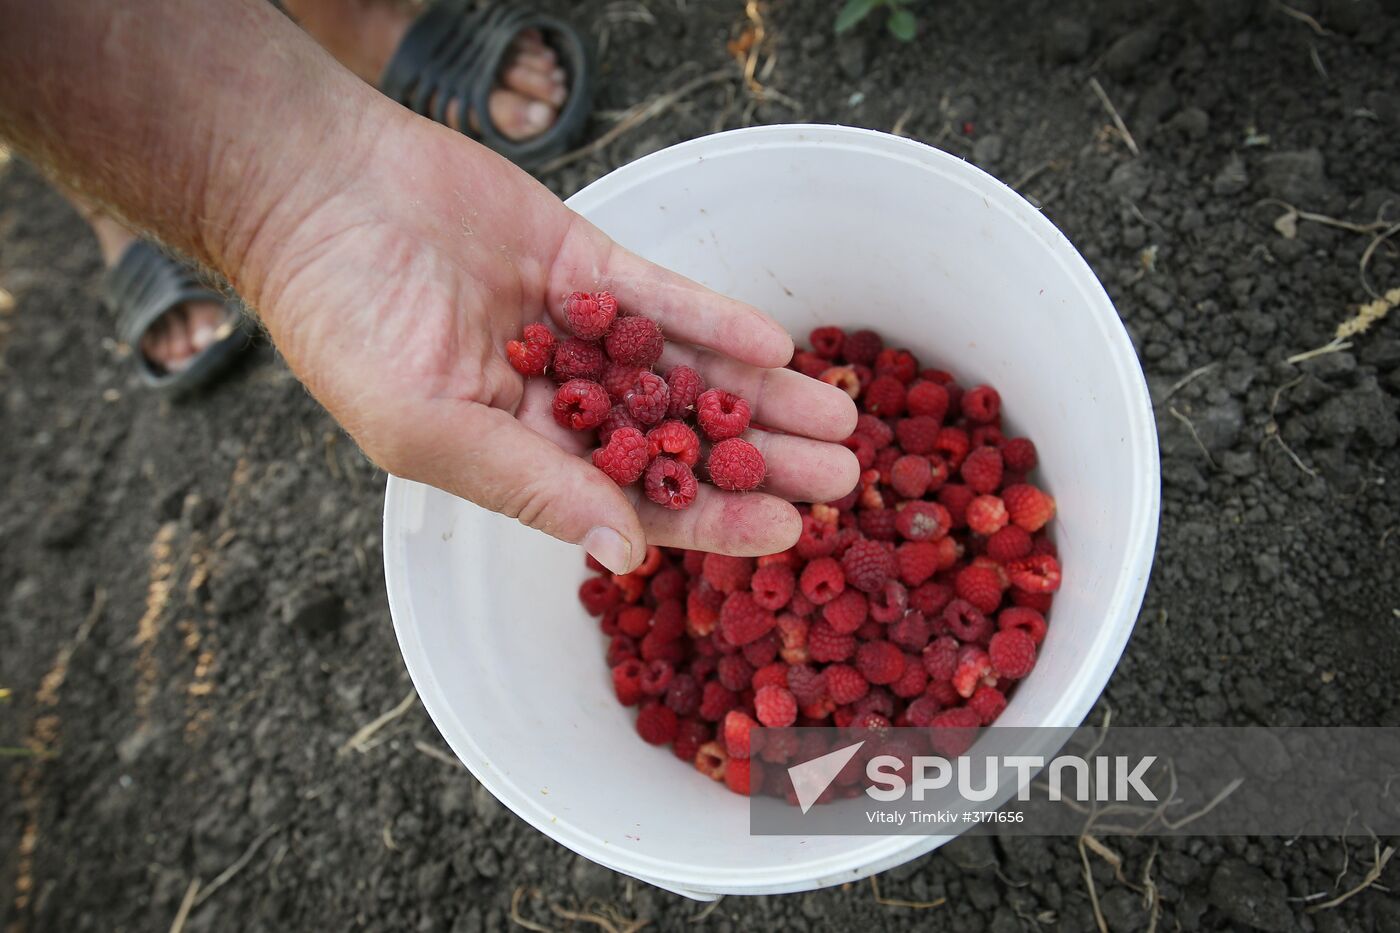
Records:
x=987, y=567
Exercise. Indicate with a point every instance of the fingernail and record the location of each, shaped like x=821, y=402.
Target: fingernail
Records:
x=558, y=75
x=202, y=335
x=538, y=115
x=559, y=95
x=608, y=548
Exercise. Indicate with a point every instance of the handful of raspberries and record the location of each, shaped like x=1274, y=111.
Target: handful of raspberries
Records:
x=917, y=599
x=607, y=382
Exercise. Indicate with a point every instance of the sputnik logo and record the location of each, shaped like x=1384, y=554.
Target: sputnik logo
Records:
x=811, y=778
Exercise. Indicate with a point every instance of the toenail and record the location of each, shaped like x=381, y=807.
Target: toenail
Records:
x=538, y=115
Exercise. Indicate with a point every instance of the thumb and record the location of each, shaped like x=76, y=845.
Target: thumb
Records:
x=487, y=456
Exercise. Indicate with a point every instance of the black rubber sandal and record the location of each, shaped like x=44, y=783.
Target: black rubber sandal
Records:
x=146, y=283
x=453, y=53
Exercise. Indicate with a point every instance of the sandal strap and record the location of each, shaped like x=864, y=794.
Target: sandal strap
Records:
x=452, y=54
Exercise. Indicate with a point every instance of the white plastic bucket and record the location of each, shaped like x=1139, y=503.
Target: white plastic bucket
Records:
x=815, y=225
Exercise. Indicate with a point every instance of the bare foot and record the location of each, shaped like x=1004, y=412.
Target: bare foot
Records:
x=364, y=34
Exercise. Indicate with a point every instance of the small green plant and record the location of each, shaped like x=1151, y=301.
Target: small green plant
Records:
x=900, y=22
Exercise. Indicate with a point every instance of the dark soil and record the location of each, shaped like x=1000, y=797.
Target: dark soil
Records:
x=207, y=574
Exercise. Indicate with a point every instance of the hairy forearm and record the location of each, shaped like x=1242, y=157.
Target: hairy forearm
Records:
x=215, y=125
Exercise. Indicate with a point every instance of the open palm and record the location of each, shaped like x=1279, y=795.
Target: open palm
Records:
x=393, y=303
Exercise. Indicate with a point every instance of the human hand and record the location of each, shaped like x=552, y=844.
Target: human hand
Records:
x=393, y=300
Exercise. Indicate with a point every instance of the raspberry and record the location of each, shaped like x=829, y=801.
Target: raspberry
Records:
x=885, y=397
x=1019, y=454
x=743, y=776
x=736, y=465
x=1012, y=651
x=912, y=682
x=822, y=580
x=657, y=724
x=674, y=439
x=844, y=684
x=884, y=462
x=981, y=404
x=931, y=598
x=533, y=352
x=917, y=560
x=927, y=398
x=670, y=483
x=911, y=475
x=1035, y=574
x=953, y=444
x=1024, y=618
x=1028, y=506
x=1012, y=542
x=923, y=521
x=721, y=414
x=818, y=539
x=979, y=586
x=648, y=398
x=617, y=379
x=986, y=515
x=952, y=731
x=577, y=359
x=847, y=612
x=807, y=686
x=863, y=346
x=897, y=363
x=589, y=316
x=809, y=364
x=624, y=457
x=742, y=620
x=911, y=632
x=634, y=621
x=657, y=677
x=955, y=497
x=941, y=658
x=775, y=707
x=867, y=565
x=827, y=342
x=918, y=435
x=761, y=652
x=881, y=435
x=774, y=674
x=617, y=417
x=715, y=701
x=863, y=447
x=738, y=742
x=973, y=666
x=686, y=386
x=710, y=760
x=690, y=735
x=988, y=703
x=1040, y=602
x=580, y=404
x=773, y=586
x=598, y=595
x=919, y=712
x=825, y=644
x=889, y=602
x=982, y=469
x=880, y=662
x=879, y=523
x=966, y=622
x=634, y=340
x=727, y=574
x=627, y=681
x=683, y=695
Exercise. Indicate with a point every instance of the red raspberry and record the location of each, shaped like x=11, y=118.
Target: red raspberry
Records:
x=885, y=397
x=888, y=603
x=711, y=759
x=982, y=469
x=927, y=398
x=966, y=622
x=1025, y=619
x=955, y=497
x=674, y=439
x=618, y=379
x=897, y=363
x=737, y=729
x=807, y=685
x=727, y=574
x=987, y=435
x=986, y=515
x=981, y=404
x=668, y=624
x=1019, y=454
x=952, y=731
x=577, y=359
x=941, y=658
x=670, y=483
x=617, y=417
x=1012, y=542
x=634, y=340
x=911, y=632
x=1028, y=506
x=818, y=539
x=589, y=316
x=580, y=404
x=809, y=364
x=634, y=621
x=686, y=386
x=844, y=684
x=1035, y=574
x=822, y=580
x=867, y=565
x=847, y=612
x=1012, y=651
x=533, y=352
x=920, y=711
x=974, y=665
x=979, y=586
x=875, y=430
x=825, y=644
x=735, y=465
x=863, y=346
x=773, y=586
x=953, y=444
x=884, y=463
x=742, y=620
x=743, y=776
x=863, y=447
x=827, y=342
x=931, y=599
x=918, y=560
x=721, y=414
x=657, y=677
x=624, y=457
x=690, y=735
x=1040, y=602
x=715, y=701
x=988, y=703
x=775, y=707
x=880, y=662
x=843, y=378
x=879, y=523
x=627, y=681
x=923, y=521
x=918, y=435
x=913, y=681
x=657, y=724
x=683, y=695
x=774, y=674
x=647, y=399
x=598, y=595
x=911, y=475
